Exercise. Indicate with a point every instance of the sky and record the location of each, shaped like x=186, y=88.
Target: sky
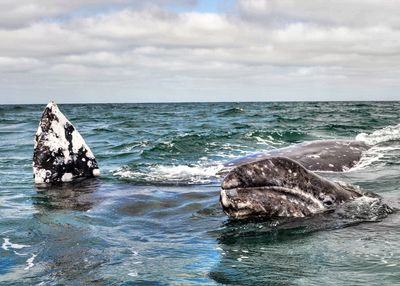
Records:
x=198, y=50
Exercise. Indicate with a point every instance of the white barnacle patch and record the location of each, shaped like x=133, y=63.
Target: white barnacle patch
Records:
x=232, y=193
x=313, y=156
x=67, y=177
x=230, y=183
x=78, y=143
x=244, y=205
x=96, y=172
x=39, y=175
x=316, y=204
x=224, y=198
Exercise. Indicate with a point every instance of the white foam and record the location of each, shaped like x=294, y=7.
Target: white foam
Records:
x=389, y=133
x=269, y=142
x=365, y=207
x=29, y=262
x=133, y=274
x=373, y=155
x=376, y=153
x=7, y=245
x=172, y=174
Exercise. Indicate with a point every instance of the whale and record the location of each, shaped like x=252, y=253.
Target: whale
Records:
x=60, y=153
x=319, y=155
x=282, y=187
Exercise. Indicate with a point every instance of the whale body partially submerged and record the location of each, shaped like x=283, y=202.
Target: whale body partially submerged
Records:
x=282, y=187
x=319, y=155
x=60, y=153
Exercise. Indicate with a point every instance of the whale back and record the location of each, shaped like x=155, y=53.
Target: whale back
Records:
x=321, y=155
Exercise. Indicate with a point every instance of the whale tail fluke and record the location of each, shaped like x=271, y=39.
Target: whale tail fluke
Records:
x=60, y=153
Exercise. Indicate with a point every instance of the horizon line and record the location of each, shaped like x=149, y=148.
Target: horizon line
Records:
x=202, y=102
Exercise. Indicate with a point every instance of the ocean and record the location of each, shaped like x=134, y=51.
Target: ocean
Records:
x=154, y=218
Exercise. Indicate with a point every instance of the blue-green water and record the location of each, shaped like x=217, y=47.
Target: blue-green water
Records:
x=153, y=218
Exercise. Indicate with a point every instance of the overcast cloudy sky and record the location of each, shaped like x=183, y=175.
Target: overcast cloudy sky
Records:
x=204, y=50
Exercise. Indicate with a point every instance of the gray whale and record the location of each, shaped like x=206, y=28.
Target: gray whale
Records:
x=282, y=187
x=321, y=155
x=60, y=153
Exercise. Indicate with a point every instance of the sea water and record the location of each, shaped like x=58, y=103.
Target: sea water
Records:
x=154, y=218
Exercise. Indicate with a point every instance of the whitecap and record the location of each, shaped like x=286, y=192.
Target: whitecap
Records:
x=8, y=244
x=373, y=155
x=196, y=174
x=29, y=262
x=389, y=133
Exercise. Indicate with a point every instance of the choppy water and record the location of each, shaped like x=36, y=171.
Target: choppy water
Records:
x=153, y=218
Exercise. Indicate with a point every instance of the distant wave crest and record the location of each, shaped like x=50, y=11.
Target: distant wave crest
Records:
x=231, y=111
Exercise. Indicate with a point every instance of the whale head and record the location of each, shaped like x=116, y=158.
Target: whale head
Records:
x=280, y=187
x=60, y=153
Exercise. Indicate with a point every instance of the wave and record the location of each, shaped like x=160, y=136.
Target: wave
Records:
x=231, y=111
x=170, y=174
x=279, y=138
x=372, y=156
x=221, y=147
x=387, y=134
x=384, y=147
x=191, y=147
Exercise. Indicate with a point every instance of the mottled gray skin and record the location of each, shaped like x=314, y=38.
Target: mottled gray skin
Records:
x=55, y=157
x=322, y=155
x=280, y=187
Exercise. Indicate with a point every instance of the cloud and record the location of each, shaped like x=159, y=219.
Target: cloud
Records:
x=264, y=49
x=355, y=13
x=18, y=13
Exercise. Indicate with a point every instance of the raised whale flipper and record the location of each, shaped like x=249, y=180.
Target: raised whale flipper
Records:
x=60, y=153
x=280, y=187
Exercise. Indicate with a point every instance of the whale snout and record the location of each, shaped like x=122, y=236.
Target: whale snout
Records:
x=269, y=202
x=279, y=187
